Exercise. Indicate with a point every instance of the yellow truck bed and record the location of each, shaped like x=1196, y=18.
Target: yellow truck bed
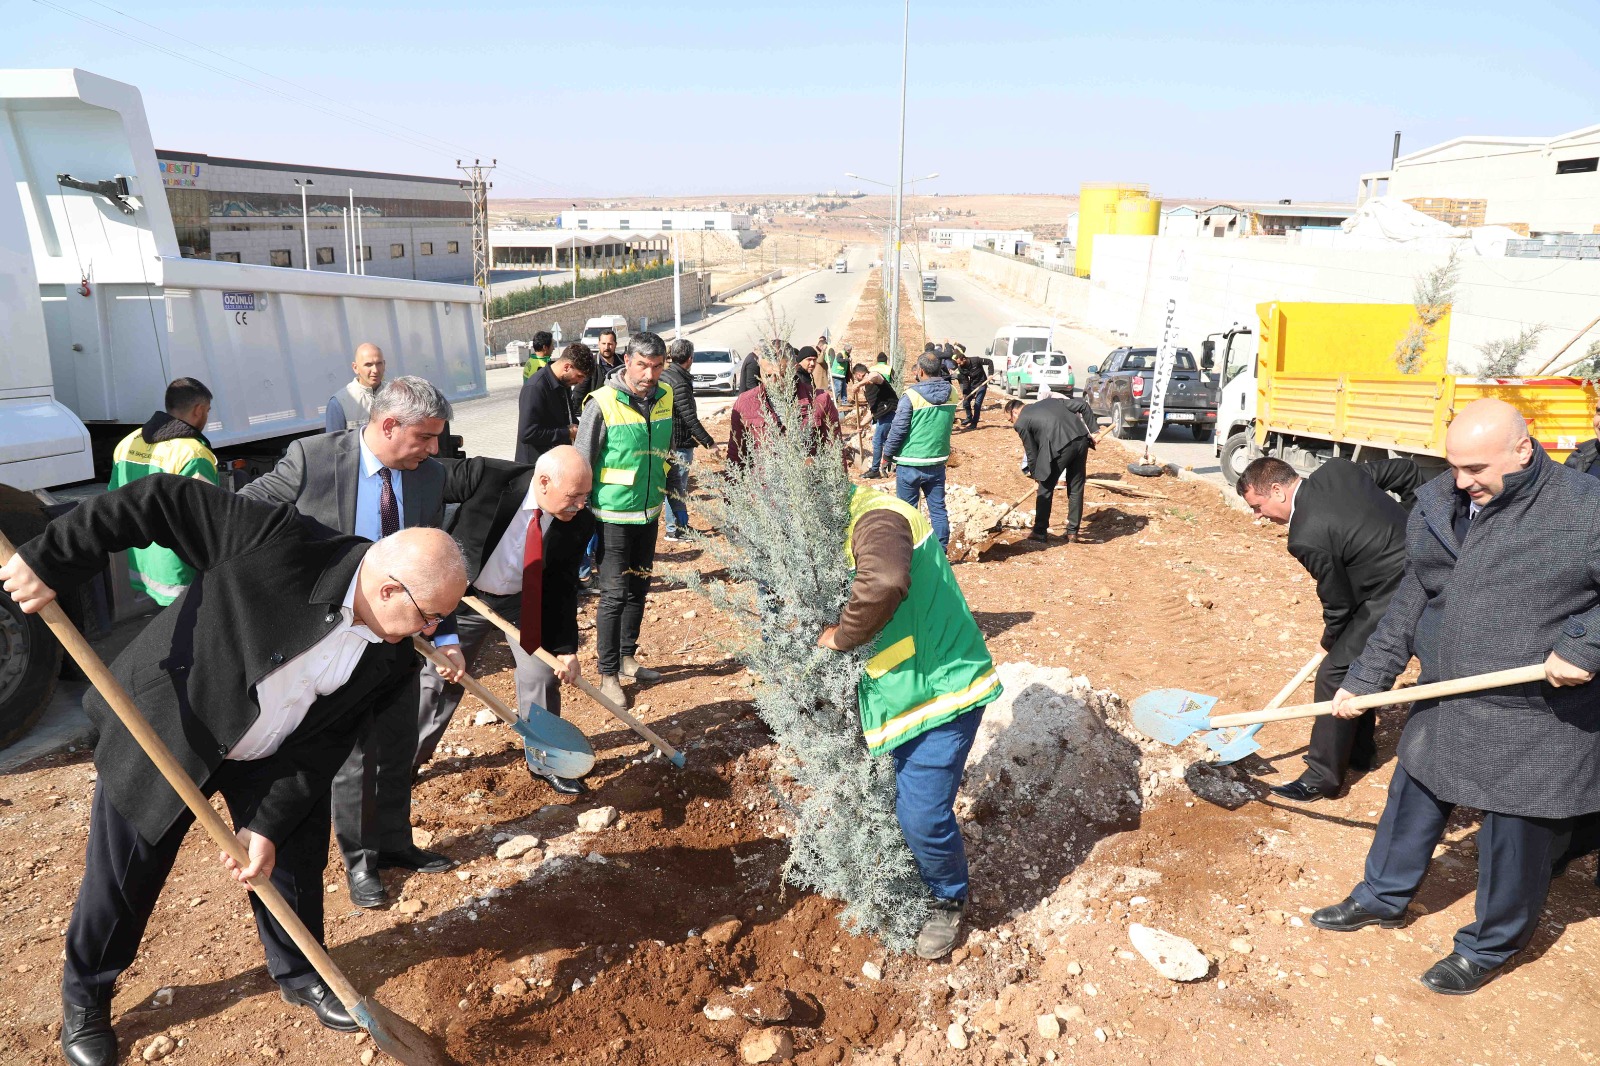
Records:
x=1327, y=371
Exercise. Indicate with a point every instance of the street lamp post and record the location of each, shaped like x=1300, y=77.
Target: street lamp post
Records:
x=305, y=218
x=899, y=189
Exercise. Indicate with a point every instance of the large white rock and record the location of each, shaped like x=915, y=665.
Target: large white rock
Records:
x=597, y=819
x=1173, y=957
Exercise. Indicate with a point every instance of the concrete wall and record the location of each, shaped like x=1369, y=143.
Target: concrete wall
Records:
x=1062, y=294
x=1131, y=281
x=650, y=298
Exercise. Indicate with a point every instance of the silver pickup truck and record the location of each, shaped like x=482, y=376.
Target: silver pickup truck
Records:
x=1119, y=390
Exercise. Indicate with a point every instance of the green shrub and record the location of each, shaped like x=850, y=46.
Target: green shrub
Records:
x=533, y=299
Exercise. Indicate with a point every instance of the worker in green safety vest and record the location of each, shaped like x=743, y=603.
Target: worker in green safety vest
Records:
x=919, y=441
x=839, y=371
x=171, y=442
x=922, y=692
x=626, y=434
x=544, y=346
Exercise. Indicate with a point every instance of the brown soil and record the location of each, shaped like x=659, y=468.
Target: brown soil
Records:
x=618, y=940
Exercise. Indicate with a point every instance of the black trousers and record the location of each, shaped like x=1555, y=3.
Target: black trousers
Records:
x=972, y=404
x=123, y=874
x=625, y=558
x=1337, y=742
x=1073, y=465
x=1514, y=859
x=372, y=790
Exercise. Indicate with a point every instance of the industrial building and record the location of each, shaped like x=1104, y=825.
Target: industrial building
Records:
x=1535, y=185
x=543, y=249
x=1007, y=241
x=1250, y=218
x=249, y=211
x=644, y=221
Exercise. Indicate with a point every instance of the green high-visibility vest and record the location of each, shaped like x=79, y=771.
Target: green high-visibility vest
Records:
x=533, y=365
x=838, y=363
x=631, y=474
x=158, y=572
x=928, y=442
x=929, y=665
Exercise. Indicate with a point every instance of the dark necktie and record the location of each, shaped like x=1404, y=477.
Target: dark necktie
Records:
x=388, y=510
x=532, y=617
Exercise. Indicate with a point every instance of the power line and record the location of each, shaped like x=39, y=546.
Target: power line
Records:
x=435, y=146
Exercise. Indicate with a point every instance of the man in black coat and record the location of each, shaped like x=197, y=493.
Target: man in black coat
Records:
x=534, y=586
x=1585, y=458
x=259, y=678
x=1055, y=443
x=1500, y=572
x=1350, y=535
x=544, y=406
x=972, y=374
x=687, y=432
x=606, y=362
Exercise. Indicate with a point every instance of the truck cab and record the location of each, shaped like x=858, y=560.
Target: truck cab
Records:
x=930, y=285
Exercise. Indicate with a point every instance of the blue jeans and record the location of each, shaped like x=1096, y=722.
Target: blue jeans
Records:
x=838, y=391
x=910, y=481
x=678, y=489
x=927, y=772
x=880, y=434
x=972, y=404
x=586, y=567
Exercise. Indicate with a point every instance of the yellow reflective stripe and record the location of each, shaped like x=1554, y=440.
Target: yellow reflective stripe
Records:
x=616, y=475
x=625, y=516
x=908, y=720
x=891, y=657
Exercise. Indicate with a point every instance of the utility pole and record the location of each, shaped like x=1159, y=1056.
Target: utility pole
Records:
x=305, y=219
x=478, y=187
x=899, y=194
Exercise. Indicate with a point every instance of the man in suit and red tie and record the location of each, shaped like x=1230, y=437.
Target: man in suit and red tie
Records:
x=523, y=530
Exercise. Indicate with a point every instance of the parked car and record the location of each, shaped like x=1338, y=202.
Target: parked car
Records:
x=1012, y=342
x=820, y=298
x=714, y=370
x=1033, y=372
x=1119, y=390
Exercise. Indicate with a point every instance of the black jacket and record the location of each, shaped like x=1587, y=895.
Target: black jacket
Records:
x=1585, y=458
x=973, y=376
x=1350, y=535
x=544, y=415
x=597, y=378
x=489, y=492
x=686, y=428
x=269, y=585
x=749, y=372
x=1048, y=428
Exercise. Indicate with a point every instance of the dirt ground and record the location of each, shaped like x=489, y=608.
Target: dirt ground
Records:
x=658, y=939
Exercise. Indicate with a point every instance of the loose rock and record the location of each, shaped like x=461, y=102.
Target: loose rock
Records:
x=409, y=906
x=367, y=1056
x=723, y=931
x=597, y=819
x=872, y=971
x=1240, y=946
x=158, y=1048
x=1049, y=1026
x=957, y=1036
x=514, y=987
x=485, y=717
x=517, y=846
x=1173, y=957
x=766, y=1045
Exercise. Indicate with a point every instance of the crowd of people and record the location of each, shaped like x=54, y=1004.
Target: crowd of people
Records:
x=316, y=717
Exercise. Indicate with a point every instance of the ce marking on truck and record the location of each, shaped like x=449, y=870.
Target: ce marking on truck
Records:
x=241, y=318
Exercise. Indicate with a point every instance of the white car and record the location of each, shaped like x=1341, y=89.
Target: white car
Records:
x=1034, y=372
x=714, y=371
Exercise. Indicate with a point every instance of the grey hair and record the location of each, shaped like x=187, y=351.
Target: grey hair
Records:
x=680, y=350
x=647, y=344
x=409, y=400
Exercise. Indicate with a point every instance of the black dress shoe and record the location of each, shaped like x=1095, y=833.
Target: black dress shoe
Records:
x=324, y=1004
x=366, y=890
x=1454, y=975
x=1348, y=916
x=1041, y=538
x=87, y=1038
x=566, y=786
x=415, y=858
x=1299, y=791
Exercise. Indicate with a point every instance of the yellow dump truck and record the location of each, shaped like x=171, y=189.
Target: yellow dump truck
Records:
x=1321, y=381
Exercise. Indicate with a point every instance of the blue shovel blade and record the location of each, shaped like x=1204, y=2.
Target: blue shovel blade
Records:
x=1172, y=715
x=1233, y=743
x=554, y=745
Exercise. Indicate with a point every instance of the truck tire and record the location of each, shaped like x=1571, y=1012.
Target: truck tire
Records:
x=1203, y=434
x=30, y=656
x=1120, y=427
x=1235, y=457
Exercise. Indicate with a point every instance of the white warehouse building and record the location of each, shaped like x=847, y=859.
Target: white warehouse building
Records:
x=645, y=221
x=1548, y=184
x=1005, y=241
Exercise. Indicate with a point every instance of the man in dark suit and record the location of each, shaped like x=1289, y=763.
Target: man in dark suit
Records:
x=544, y=406
x=525, y=572
x=1350, y=535
x=258, y=678
x=347, y=481
x=1055, y=443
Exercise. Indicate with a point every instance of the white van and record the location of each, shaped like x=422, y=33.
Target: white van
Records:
x=841, y=265
x=1013, y=342
x=595, y=326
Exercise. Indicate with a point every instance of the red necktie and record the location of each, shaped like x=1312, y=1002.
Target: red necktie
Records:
x=532, y=618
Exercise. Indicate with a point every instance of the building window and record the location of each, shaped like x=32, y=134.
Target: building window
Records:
x=583, y=223
x=425, y=248
x=666, y=223
x=396, y=251
x=280, y=257
x=324, y=256
x=710, y=224
x=366, y=253
x=622, y=224
x=1578, y=166
x=227, y=257
x=452, y=247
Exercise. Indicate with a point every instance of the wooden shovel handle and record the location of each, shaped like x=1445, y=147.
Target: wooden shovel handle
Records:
x=584, y=686
x=472, y=684
x=1520, y=675
x=128, y=713
x=1296, y=681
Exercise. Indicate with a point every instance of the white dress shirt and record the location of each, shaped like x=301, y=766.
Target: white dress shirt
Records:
x=369, y=491
x=502, y=570
x=287, y=693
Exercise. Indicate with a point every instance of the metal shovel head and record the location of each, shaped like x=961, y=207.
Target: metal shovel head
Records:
x=1173, y=715
x=554, y=745
x=398, y=1038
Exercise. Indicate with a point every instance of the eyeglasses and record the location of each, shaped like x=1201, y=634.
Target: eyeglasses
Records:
x=428, y=620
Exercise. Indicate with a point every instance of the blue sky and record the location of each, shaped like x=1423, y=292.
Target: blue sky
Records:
x=1230, y=98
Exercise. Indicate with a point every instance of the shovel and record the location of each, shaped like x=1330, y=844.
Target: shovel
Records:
x=672, y=754
x=1172, y=715
x=553, y=745
x=393, y=1035
x=1518, y=675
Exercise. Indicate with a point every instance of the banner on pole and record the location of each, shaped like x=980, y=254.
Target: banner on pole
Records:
x=1167, y=354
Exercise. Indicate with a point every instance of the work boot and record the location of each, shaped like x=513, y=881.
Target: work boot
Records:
x=940, y=931
x=632, y=669
x=872, y=475
x=611, y=689
x=87, y=1038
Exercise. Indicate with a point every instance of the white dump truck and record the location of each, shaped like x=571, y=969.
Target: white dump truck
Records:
x=98, y=311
